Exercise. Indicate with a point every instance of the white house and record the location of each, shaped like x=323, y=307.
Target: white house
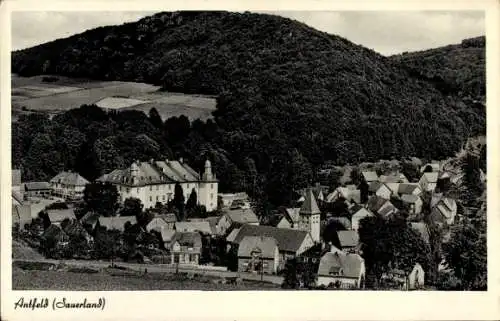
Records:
x=380, y=189
x=68, y=185
x=428, y=181
x=155, y=181
x=341, y=270
x=358, y=215
x=414, y=203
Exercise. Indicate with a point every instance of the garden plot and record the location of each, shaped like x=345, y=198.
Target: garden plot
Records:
x=119, y=102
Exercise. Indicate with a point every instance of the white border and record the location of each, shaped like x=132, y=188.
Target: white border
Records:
x=302, y=305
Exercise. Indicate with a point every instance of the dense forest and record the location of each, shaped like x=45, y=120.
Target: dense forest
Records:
x=455, y=69
x=290, y=98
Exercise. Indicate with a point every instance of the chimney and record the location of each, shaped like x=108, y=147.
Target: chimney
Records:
x=181, y=160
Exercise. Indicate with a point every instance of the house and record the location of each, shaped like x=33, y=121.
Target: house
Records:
x=443, y=209
x=369, y=176
x=68, y=185
x=197, y=226
x=291, y=242
x=185, y=248
x=90, y=220
x=169, y=218
x=428, y=181
x=236, y=217
x=21, y=214
x=380, y=206
x=409, y=189
x=359, y=214
x=393, y=178
x=155, y=181
x=55, y=235
x=116, y=222
x=349, y=241
x=258, y=254
x=156, y=224
x=290, y=218
x=37, y=189
x=413, y=202
x=380, y=189
x=17, y=198
x=167, y=235
x=212, y=221
x=16, y=180
x=56, y=217
x=341, y=270
x=430, y=168
x=409, y=279
x=75, y=229
x=226, y=200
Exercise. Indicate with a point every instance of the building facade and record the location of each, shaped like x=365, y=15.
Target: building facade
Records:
x=68, y=185
x=155, y=181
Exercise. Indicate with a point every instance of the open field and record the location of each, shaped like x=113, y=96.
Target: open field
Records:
x=106, y=280
x=33, y=94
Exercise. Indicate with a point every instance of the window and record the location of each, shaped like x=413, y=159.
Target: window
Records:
x=212, y=186
x=151, y=198
x=163, y=197
x=128, y=189
x=150, y=188
x=157, y=187
x=137, y=190
x=157, y=198
x=212, y=195
x=187, y=186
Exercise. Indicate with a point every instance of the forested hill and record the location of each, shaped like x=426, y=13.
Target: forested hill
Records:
x=455, y=69
x=289, y=97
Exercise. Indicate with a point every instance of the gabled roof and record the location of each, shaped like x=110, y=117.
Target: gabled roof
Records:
x=60, y=215
x=375, y=186
x=36, y=186
x=362, y=212
x=266, y=246
x=190, y=239
x=375, y=203
x=242, y=215
x=169, y=218
x=199, y=226
x=370, y=176
x=349, y=264
x=387, y=209
x=232, y=236
x=348, y=238
x=167, y=235
x=69, y=178
x=355, y=196
x=344, y=221
x=430, y=177
x=410, y=198
x=407, y=188
x=152, y=172
x=16, y=177
x=309, y=206
x=17, y=198
x=54, y=231
x=116, y=222
x=288, y=240
x=90, y=218
x=292, y=214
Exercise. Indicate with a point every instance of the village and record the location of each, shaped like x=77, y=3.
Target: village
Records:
x=163, y=213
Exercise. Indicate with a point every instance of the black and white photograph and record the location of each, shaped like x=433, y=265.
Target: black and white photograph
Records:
x=252, y=150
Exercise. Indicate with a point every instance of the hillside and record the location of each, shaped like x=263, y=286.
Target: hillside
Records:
x=289, y=97
x=456, y=69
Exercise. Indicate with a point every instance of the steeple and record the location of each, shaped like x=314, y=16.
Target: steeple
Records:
x=207, y=175
x=309, y=207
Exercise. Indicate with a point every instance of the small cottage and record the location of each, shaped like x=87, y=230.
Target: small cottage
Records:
x=186, y=248
x=341, y=270
x=380, y=189
x=236, y=217
x=359, y=214
x=57, y=216
x=37, y=189
x=258, y=254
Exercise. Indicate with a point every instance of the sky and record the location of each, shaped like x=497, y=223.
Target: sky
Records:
x=387, y=32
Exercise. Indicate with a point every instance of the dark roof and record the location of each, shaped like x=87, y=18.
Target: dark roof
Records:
x=34, y=186
x=16, y=177
x=192, y=239
x=288, y=240
x=242, y=216
x=90, y=218
x=375, y=203
x=309, y=206
x=152, y=172
x=116, y=222
x=344, y=221
x=374, y=186
x=407, y=188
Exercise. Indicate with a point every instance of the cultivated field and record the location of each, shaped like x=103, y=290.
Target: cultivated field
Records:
x=35, y=94
x=106, y=280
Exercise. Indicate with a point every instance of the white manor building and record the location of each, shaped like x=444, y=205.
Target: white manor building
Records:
x=154, y=181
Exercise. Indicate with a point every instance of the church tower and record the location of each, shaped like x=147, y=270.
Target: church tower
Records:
x=208, y=188
x=309, y=216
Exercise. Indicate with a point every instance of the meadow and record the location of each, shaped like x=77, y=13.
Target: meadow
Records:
x=36, y=94
x=106, y=280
